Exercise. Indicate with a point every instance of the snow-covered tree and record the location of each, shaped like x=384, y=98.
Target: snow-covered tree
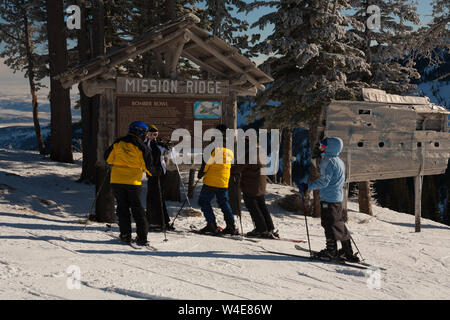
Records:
x=310, y=59
x=225, y=23
x=387, y=46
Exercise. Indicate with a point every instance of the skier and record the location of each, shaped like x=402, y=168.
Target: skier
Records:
x=216, y=176
x=253, y=186
x=156, y=200
x=129, y=156
x=330, y=183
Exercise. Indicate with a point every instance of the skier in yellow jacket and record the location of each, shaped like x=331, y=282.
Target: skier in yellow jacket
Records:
x=129, y=157
x=216, y=175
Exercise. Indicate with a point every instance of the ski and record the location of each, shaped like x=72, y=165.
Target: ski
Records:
x=132, y=243
x=365, y=264
x=220, y=235
x=340, y=262
x=279, y=239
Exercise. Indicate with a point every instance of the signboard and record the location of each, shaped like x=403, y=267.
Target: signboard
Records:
x=137, y=86
x=167, y=113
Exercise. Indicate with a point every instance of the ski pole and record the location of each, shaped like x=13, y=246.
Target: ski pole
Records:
x=96, y=197
x=362, y=259
x=181, y=179
x=162, y=210
x=182, y=206
x=306, y=223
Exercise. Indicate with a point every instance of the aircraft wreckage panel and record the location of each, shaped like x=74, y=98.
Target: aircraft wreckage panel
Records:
x=381, y=141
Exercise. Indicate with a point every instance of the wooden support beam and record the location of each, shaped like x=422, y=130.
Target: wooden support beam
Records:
x=203, y=65
x=118, y=58
x=96, y=86
x=223, y=59
x=175, y=56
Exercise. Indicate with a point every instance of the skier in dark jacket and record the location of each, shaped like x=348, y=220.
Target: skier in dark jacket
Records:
x=156, y=199
x=253, y=186
x=129, y=156
x=330, y=183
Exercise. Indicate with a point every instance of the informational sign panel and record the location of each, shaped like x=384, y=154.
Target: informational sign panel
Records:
x=167, y=113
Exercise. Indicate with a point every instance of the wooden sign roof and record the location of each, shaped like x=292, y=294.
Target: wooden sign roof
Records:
x=180, y=37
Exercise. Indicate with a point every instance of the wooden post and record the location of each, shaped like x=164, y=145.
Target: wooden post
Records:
x=104, y=206
x=418, y=180
x=364, y=198
x=346, y=189
x=418, y=183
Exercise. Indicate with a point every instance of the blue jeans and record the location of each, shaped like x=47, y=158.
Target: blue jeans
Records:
x=206, y=195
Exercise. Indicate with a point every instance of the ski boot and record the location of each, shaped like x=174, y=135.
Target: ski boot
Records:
x=346, y=253
x=125, y=238
x=230, y=229
x=211, y=228
x=256, y=234
x=141, y=242
x=330, y=252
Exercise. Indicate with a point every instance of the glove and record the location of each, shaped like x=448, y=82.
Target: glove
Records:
x=302, y=188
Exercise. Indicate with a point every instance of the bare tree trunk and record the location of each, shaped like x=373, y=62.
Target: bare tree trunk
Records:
x=171, y=12
x=287, y=156
x=103, y=121
x=61, y=116
x=364, y=198
x=191, y=183
x=33, y=91
x=88, y=105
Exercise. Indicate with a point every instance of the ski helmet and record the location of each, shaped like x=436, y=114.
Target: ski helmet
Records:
x=138, y=128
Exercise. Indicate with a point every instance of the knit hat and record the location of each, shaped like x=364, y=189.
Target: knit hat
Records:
x=152, y=128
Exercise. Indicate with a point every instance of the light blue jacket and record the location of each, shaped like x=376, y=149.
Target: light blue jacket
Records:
x=332, y=173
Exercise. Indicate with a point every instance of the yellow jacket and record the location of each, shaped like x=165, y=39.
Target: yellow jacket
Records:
x=217, y=171
x=129, y=157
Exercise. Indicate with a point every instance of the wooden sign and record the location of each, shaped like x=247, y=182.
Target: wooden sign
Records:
x=167, y=113
x=172, y=87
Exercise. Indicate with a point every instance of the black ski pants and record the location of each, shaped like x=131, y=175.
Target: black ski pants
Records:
x=129, y=198
x=156, y=195
x=256, y=205
x=332, y=221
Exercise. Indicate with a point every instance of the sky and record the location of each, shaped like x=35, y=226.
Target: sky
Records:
x=16, y=84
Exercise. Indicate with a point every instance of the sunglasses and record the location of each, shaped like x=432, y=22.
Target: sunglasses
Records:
x=323, y=144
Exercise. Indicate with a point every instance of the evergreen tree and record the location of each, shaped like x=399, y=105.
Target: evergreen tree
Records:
x=22, y=33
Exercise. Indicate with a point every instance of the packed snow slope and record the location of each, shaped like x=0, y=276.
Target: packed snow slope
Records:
x=43, y=249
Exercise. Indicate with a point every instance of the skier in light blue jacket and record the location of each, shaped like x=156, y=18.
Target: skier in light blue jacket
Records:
x=331, y=183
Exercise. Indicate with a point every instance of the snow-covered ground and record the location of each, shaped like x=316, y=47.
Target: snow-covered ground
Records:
x=43, y=248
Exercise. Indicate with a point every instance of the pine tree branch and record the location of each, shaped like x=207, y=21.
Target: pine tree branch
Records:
x=2, y=29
